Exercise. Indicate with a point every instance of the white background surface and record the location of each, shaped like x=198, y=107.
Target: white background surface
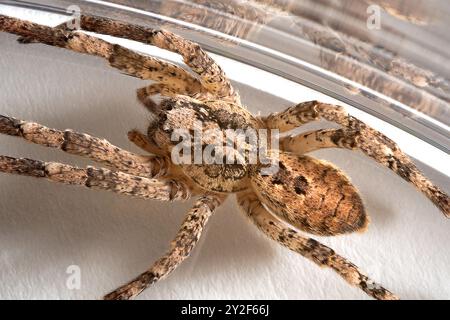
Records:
x=46, y=227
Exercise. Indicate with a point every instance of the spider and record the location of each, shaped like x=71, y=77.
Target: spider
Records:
x=304, y=194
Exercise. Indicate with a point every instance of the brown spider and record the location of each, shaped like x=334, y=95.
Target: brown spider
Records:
x=305, y=193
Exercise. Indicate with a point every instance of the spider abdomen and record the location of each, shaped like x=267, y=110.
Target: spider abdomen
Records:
x=312, y=195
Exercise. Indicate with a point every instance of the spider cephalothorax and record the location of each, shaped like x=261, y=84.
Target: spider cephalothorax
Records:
x=301, y=191
x=189, y=118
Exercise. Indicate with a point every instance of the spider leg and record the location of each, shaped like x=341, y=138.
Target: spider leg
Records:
x=180, y=248
x=85, y=145
x=143, y=141
x=307, y=247
x=212, y=76
x=171, y=78
x=145, y=94
x=354, y=135
x=104, y=179
x=319, y=139
x=126, y=60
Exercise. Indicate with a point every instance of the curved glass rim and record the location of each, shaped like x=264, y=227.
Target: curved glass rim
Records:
x=425, y=127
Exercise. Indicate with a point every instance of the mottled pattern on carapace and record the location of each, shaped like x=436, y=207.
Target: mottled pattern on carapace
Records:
x=194, y=116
